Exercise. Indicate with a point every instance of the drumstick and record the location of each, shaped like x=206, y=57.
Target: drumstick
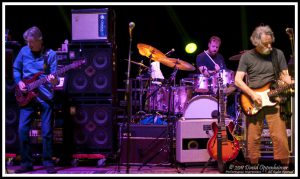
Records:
x=210, y=57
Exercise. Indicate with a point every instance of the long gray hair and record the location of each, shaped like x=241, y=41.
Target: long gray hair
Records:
x=256, y=35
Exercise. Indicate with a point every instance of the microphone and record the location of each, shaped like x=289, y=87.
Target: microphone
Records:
x=169, y=52
x=131, y=26
x=289, y=31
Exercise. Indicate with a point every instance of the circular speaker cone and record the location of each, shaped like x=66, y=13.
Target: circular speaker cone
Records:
x=100, y=116
x=100, y=61
x=11, y=116
x=193, y=144
x=80, y=137
x=100, y=81
x=100, y=137
x=10, y=137
x=81, y=116
x=79, y=82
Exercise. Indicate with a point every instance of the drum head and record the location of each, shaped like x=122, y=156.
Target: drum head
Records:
x=201, y=107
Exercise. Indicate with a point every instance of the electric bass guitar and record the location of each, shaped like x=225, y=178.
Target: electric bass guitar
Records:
x=222, y=146
x=250, y=108
x=23, y=98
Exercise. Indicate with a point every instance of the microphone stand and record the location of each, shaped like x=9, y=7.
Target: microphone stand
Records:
x=128, y=99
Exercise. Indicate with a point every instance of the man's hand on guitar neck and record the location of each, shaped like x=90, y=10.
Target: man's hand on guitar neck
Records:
x=51, y=78
x=22, y=86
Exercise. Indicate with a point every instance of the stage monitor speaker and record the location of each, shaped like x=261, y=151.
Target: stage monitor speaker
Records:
x=95, y=77
x=92, y=126
x=191, y=139
x=11, y=127
x=147, y=142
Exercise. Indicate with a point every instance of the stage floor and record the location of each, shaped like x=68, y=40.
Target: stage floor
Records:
x=161, y=170
x=116, y=170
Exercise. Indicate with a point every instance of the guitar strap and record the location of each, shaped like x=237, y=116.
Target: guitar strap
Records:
x=275, y=63
x=46, y=66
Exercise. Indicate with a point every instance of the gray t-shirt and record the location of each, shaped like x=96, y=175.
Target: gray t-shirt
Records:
x=259, y=68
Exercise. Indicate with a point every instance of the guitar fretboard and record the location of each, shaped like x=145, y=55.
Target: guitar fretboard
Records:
x=62, y=70
x=280, y=89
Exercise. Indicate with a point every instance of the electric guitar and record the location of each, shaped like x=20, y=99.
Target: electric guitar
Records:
x=23, y=98
x=250, y=108
x=222, y=146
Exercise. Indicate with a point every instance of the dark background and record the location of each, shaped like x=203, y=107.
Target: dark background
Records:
x=163, y=27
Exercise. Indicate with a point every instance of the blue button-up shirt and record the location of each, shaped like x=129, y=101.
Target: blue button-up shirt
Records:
x=26, y=65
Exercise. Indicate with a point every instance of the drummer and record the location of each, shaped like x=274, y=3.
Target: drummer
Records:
x=211, y=61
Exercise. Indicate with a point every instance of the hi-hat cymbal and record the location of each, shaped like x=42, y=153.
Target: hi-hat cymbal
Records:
x=150, y=52
x=138, y=63
x=180, y=64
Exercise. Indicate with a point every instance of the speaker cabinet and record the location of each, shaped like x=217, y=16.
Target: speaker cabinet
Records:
x=92, y=126
x=146, y=143
x=11, y=127
x=191, y=139
x=95, y=78
x=10, y=89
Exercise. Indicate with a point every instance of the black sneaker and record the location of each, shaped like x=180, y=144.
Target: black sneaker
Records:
x=51, y=169
x=24, y=169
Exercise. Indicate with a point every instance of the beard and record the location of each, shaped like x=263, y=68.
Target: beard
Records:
x=266, y=51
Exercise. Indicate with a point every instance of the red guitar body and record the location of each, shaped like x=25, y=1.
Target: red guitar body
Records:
x=230, y=145
x=23, y=98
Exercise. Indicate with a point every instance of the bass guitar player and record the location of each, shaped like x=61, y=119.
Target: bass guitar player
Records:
x=32, y=59
x=262, y=65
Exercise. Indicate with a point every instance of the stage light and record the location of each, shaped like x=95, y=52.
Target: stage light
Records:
x=190, y=48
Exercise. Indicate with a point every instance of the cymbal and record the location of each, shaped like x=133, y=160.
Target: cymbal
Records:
x=150, y=52
x=138, y=63
x=237, y=57
x=180, y=64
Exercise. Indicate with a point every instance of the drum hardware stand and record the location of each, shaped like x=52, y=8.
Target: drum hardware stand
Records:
x=169, y=139
x=219, y=135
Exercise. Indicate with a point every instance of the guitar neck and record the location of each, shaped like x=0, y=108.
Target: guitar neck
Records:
x=222, y=108
x=31, y=86
x=280, y=89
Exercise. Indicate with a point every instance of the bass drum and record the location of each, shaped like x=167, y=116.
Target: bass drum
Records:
x=202, y=106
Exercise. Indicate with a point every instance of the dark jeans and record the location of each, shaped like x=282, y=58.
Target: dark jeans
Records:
x=26, y=117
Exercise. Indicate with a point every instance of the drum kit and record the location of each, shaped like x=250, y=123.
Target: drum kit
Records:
x=195, y=97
